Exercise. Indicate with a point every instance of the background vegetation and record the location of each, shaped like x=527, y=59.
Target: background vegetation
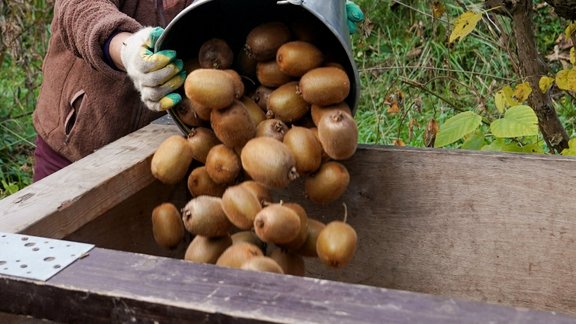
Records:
x=412, y=79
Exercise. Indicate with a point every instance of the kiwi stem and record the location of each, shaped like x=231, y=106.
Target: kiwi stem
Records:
x=345, y=212
x=293, y=174
x=338, y=116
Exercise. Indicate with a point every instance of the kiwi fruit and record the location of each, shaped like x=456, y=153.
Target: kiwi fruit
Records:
x=336, y=244
x=202, y=111
x=286, y=103
x=261, y=192
x=305, y=148
x=274, y=128
x=167, y=228
x=308, y=249
x=261, y=95
x=240, y=205
x=245, y=64
x=263, y=264
x=204, y=249
x=328, y=183
x=298, y=57
x=297, y=242
x=203, y=215
x=338, y=134
x=277, y=223
x=249, y=237
x=238, y=83
x=269, y=74
x=223, y=164
x=236, y=254
x=318, y=111
x=171, y=160
x=211, y=88
x=256, y=113
x=233, y=125
x=215, y=53
x=201, y=140
x=291, y=264
x=325, y=86
x=263, y=41
x=201, y=184
x=269, y=162
x=186, y=113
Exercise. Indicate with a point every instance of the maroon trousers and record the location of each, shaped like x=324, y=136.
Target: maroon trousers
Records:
x=47, y=161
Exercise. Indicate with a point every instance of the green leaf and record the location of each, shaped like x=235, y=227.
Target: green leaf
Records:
x=518, y=121
x=474, y=142
x=457, y=127
x=571, y=150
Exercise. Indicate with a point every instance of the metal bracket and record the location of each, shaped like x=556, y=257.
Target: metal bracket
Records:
x=35, y=257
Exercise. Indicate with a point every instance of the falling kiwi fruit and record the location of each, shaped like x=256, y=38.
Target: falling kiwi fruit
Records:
x=328, y=183
x=201, y=140
x=297, y=242
x=261, y=192
x=211, y=88
x=308, y=249
x=241, y=205
x=215, y=53
x=187, y=114
x=201, y=184
x=256, y=113
x=291, y=264
x=238, y=83
x=274, y=128
x=233, y=125
x=204, y=249
x=325, y=86
x=171, y=160
x=305, y=148
x=245, y=64
x=167, y=228
x=262, y=263
x=298, y=57
x=287, y=104
x=261, y=95
x=277, y=224
x=269, y=161
x=338, y=134
x=263, y=41
x=318, y=111
x=336, y=244
x=238, y=253
x=203, y=215
x=223, y=164
x=269, y=74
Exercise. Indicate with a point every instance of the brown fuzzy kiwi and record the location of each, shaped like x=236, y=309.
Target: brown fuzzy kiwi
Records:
x=274, y=128
x=292, y=264
x=278, y=224
x=262, y=192
x=325, y=86
x=249, y=237
x=296, y=243
x=256, y=113
x=203, y=215
x=261, y=96
x=263, y=264
x=187, y=114
x=211, y=88
x=236, y=254
x=263, y=41
x=207, y=249
x=338, y=135
x=167, y=228
x=240, y=205
x=215, y=53
x=201, y=140
x=269, y=74
x=269, y=162
x=171, y=160
x=298, y=57
x=336, y=244
x=238, y=84
x=223, y=164
x=245, y=64
x=201, y=111
x=201, y=184
x=233, y=125
x=305, y=148
x=318, y=111
x=328, y=183
x=286, y=103
x=308, y=249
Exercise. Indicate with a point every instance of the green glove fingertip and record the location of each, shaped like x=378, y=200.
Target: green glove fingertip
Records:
x=170, y=100
x=154, y=35
x=351, y=27
x=354, y=12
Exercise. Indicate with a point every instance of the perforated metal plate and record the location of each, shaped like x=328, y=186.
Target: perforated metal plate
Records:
x=37, y=257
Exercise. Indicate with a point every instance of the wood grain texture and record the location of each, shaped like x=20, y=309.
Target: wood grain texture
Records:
x=119, y=287
x=66, y=200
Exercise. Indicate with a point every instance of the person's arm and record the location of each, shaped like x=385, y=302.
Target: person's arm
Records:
x=115, y=47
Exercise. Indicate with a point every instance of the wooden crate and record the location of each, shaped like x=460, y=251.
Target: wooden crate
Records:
x=444, y=236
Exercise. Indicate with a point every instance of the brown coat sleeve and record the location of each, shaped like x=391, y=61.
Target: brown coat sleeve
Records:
x=86, y=25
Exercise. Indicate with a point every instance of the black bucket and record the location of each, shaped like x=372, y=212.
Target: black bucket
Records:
x=232, y=20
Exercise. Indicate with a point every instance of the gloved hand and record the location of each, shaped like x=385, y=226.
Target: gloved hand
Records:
x=354, y=16
x=155, y=75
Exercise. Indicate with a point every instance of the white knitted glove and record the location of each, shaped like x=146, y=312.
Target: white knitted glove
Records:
x=155, y=75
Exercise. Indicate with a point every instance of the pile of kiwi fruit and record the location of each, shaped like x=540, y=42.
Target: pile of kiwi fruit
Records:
x=260, y=118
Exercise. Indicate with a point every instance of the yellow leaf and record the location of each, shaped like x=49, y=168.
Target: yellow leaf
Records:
x=522, y=92
x=500, y=101
x=438, y=9
x=509, y=96
x=464, y=25
x=566, y=80
x=545, y=83
x=570, y=29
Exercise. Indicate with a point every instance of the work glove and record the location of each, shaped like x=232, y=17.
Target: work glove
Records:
x=155, y=75
x=354, y=16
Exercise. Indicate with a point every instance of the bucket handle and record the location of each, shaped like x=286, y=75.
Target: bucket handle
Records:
x=294, y=2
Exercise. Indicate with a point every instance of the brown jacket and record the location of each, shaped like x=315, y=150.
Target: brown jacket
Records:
x=84, y=103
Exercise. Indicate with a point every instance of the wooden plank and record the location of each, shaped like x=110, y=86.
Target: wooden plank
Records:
x=66, y=200
x=112, y=286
